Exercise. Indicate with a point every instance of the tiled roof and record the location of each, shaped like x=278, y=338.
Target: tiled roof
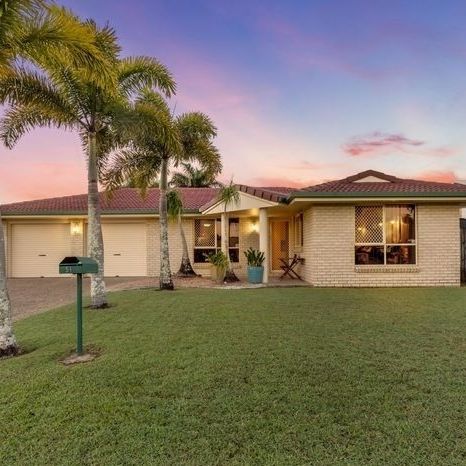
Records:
x=274, y=194
x=124, y=200
x=129, y=201
x=390, y=185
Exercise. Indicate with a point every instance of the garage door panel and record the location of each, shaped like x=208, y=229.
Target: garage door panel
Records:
x=36, y=249
x=125, y=249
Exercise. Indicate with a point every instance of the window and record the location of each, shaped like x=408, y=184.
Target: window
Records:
x=233, y=240
x=208, y=238
x=298, y=230
x=385, y=235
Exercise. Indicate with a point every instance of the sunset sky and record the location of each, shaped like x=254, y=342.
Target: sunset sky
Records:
x=301, y=91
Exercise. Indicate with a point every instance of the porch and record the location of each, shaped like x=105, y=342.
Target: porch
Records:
x=261, y=224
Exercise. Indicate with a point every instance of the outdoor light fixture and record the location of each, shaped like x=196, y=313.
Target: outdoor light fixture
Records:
x=76, y=228
x=254, y=227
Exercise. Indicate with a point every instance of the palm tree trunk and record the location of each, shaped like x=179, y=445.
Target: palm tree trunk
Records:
x=95, y=242
x=186, y=269
x=230, y=275
x=166, y=282
x=8, y=346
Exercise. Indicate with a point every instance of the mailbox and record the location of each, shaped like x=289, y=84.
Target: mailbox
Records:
x=78, y=265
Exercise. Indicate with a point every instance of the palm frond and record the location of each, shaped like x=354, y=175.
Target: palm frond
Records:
x=132, y=163
x=138, y=73
x=47, y=34
x=24, y=118
x=26, y=87
x=174, y=204
x=229, y=194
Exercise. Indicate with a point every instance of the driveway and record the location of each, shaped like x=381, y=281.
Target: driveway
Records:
x=33, y=295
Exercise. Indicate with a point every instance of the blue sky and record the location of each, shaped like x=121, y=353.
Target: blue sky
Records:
x=301, y=91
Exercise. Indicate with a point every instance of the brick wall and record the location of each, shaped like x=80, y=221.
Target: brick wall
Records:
x=329, y=250
x=248, y=238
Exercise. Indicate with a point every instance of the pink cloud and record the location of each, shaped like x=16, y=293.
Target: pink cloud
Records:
x=446, y=176
x=378, y=143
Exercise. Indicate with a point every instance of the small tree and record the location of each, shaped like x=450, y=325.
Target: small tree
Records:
x=191, y=176
x=150, y=154
x=175, y=210
x=228, y=195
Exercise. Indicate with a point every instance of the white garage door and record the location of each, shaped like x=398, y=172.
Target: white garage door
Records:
x=125, y=249
x=36, y=250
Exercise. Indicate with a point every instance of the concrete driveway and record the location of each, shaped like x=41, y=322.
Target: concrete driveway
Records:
x=33, y=295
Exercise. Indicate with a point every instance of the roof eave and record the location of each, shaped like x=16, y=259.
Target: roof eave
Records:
x=71, y=213
x=377, y=195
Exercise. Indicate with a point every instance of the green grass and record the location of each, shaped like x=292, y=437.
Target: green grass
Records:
x=274, y=376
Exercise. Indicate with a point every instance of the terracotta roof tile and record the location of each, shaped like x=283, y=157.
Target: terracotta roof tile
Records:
x=391, y=184
x=124, y=200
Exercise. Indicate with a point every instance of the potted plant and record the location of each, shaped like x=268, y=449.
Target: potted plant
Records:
x=255, y=260
x=219, y=263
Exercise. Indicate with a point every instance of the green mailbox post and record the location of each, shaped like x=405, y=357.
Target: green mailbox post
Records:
x=78, y=266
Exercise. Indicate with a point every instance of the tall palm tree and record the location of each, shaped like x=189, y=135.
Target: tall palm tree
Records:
x=228, y=195
x=8, y=345
x=193, y=177
x=67, y=98
x=175, y=211
x=41, y=32
x=188, y=137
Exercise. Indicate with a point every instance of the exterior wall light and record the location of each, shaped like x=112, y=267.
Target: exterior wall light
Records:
x=76, y=228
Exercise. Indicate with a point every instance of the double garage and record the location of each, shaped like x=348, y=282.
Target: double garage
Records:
x=35, y=249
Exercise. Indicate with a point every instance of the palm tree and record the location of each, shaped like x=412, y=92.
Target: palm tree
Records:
x=41, y=33
x=67, y=98
x=228, y=195
x=8, y=345
x=150, y=155
x=175, y=210
x=193, y=177
x=34, y=31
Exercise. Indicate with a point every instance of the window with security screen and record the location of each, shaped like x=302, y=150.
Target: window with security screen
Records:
x=385, y=235
x=208, y=238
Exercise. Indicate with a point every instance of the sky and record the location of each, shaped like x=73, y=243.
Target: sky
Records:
x=301, y=91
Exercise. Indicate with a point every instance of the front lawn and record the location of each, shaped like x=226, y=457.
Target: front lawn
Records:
x=267, y=376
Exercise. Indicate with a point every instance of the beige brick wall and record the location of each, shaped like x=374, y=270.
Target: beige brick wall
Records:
x=247, y=238
x=329, y=250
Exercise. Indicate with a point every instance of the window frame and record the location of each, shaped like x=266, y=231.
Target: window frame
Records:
x=230, y=247
x=299, y=230
x=218, y=233
x=215, y=248
x=384, y=244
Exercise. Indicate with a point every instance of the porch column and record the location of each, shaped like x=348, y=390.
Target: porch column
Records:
x=264, y=241
x=223, y=226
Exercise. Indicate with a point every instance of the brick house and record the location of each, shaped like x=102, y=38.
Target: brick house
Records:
x=370, y=229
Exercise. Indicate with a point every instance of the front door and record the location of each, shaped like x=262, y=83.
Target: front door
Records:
x=280, y=242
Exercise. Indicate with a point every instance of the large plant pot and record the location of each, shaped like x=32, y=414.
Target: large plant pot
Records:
x=217, y=274
x=255, y=274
